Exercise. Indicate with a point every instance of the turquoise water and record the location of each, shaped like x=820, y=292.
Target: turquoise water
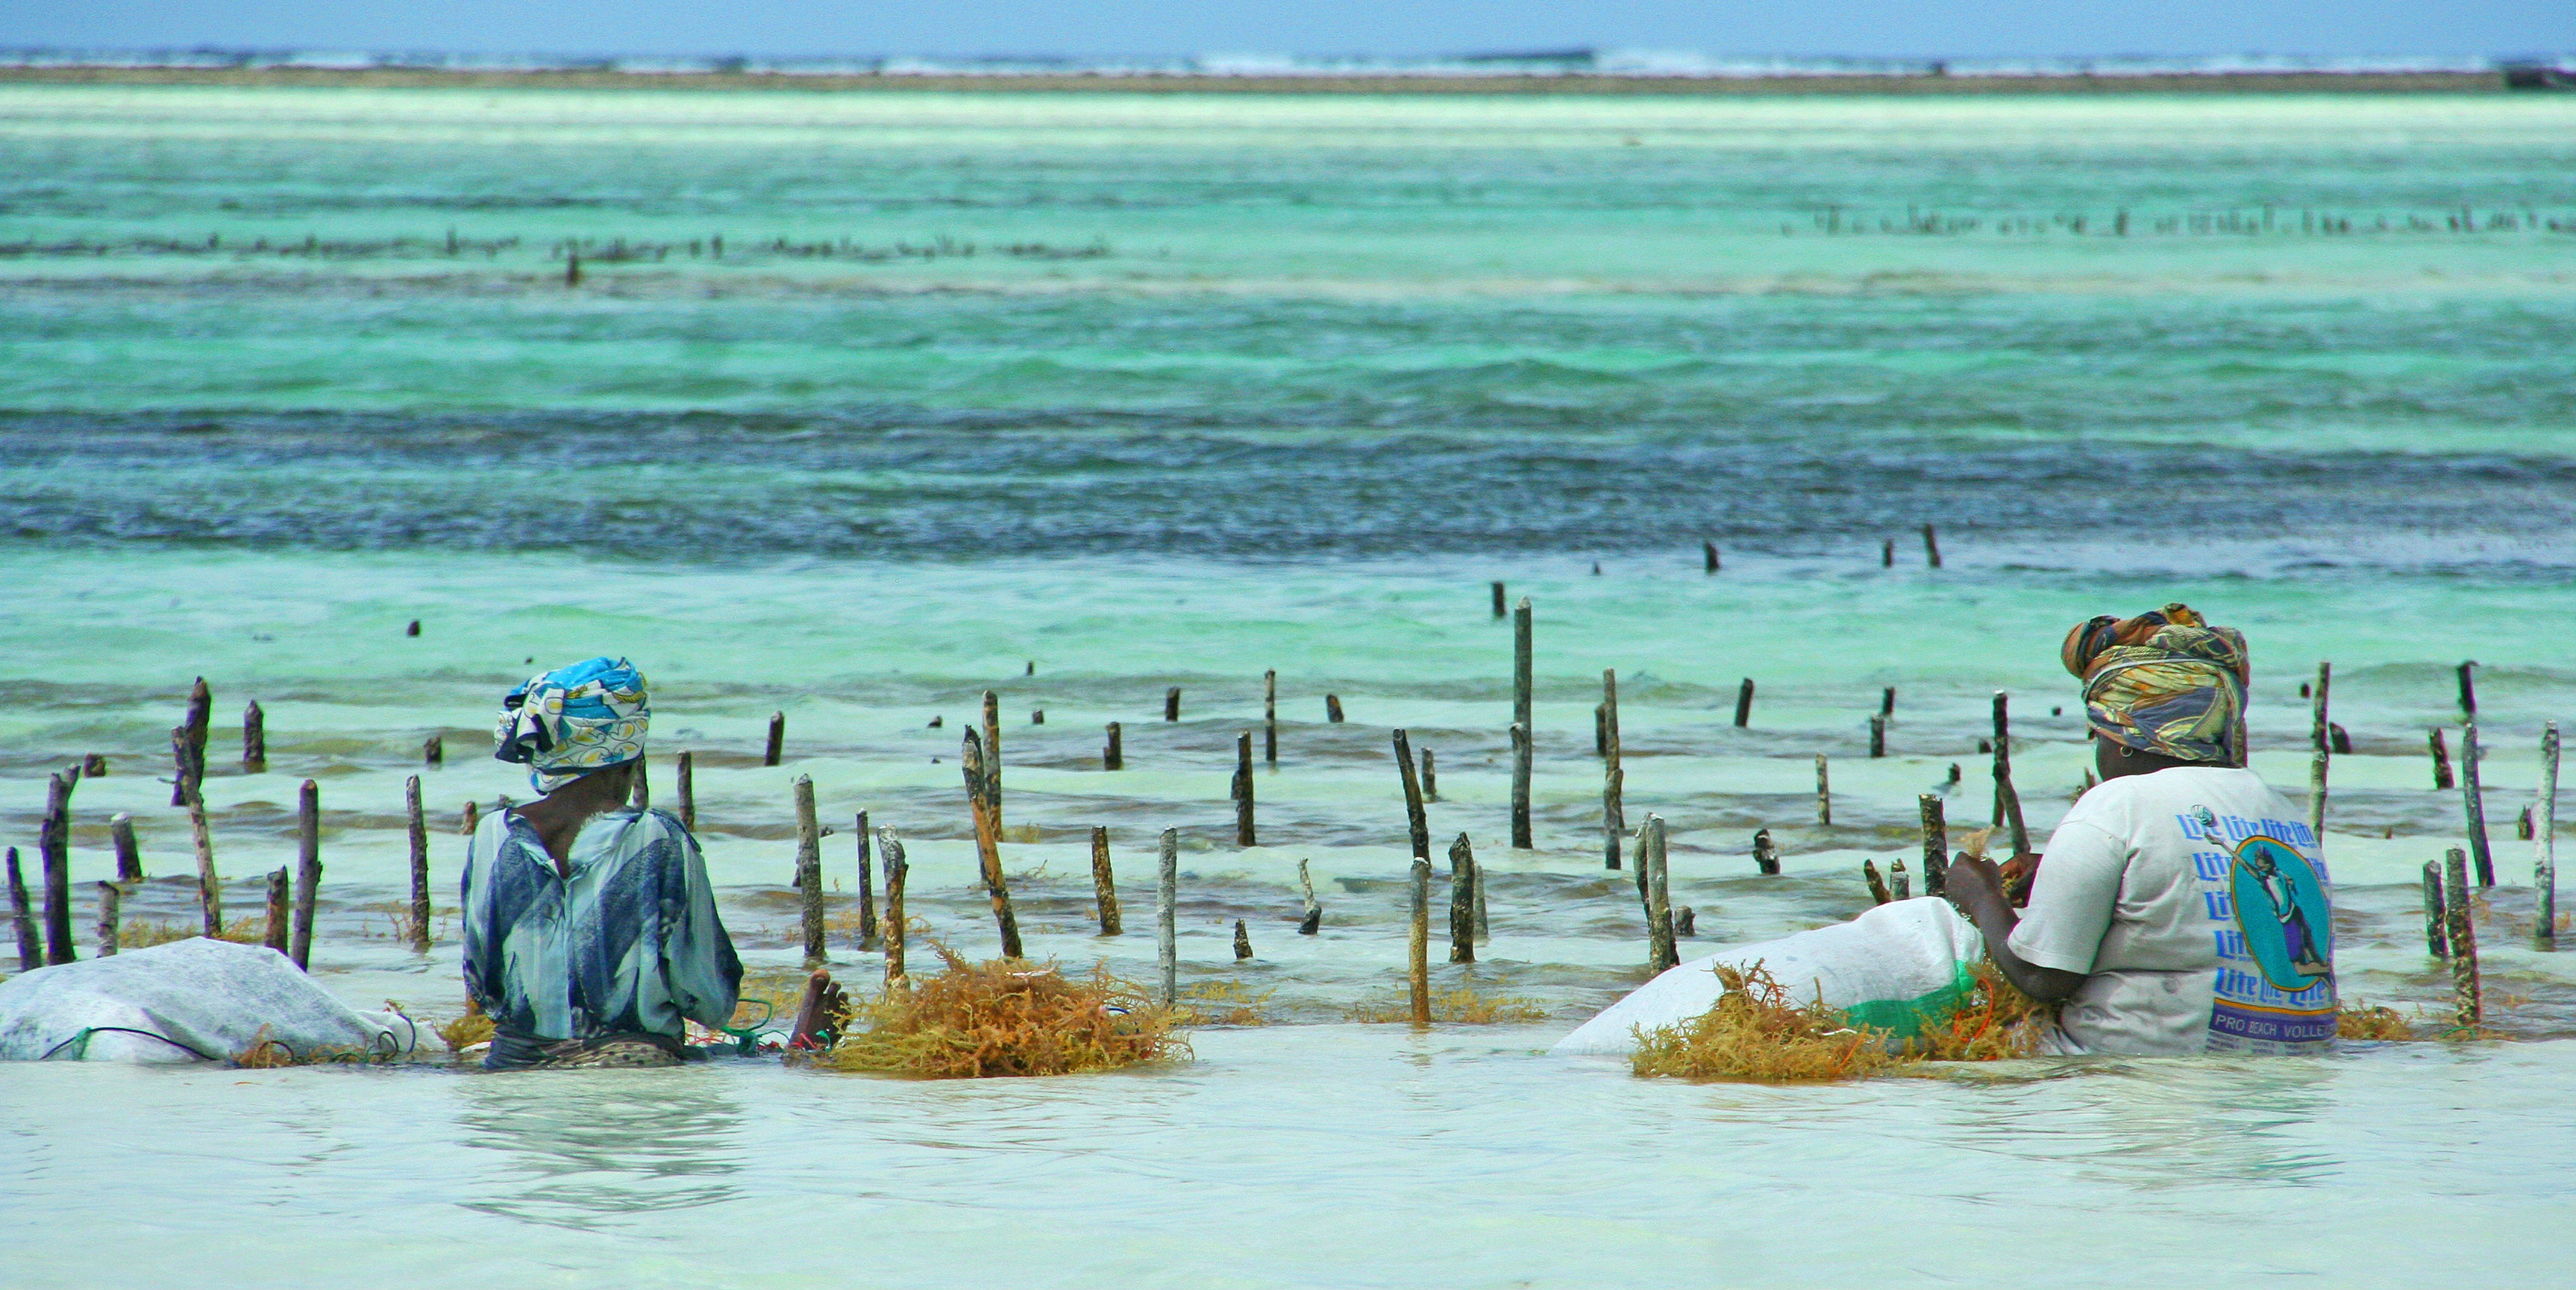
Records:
x=1281, y=384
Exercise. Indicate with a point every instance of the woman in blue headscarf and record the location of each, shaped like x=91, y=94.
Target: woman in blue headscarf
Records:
x=591, y=932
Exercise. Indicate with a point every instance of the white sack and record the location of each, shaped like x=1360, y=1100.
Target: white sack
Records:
x=202, y=998
x=1883, y=965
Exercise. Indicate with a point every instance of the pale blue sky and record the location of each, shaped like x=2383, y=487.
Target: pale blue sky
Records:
x=1893, y=28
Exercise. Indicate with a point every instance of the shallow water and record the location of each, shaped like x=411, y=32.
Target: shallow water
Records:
x=1341, y=364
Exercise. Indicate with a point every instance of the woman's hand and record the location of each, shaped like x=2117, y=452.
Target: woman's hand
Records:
x=1976, y=886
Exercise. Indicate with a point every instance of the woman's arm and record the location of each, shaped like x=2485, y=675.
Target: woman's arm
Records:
x=1976, y=886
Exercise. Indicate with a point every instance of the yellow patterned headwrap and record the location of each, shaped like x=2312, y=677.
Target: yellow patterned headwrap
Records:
x=2164, y=682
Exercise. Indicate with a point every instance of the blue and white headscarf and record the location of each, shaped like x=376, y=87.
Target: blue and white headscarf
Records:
x=574, y=720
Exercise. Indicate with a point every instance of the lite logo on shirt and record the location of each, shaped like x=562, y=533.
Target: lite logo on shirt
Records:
x=2267, y=907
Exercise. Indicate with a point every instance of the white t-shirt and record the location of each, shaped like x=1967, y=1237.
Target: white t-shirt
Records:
x=2196, y=906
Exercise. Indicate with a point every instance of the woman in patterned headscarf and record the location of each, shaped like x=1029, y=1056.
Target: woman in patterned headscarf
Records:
x=2182, y=906
x=591, y=932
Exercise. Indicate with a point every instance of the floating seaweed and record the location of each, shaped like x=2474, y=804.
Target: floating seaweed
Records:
x=1006, y=1017
x=1460, y=1007
x=1754, y=1032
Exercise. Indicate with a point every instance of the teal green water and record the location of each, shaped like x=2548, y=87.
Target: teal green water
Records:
x=1283, y=384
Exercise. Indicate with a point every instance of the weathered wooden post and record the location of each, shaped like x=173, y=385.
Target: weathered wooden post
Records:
x=1414, y=820
x=777, y=739
x=809, y=870
x=1172, y=704
x=1113, y=757
x=2468, y=693
x=867, y=887
x=1887, y=553
x=988, y=844
x=281, y=910
x=1462, y=901
x=2441, y=762
x=210, y=893
x=22, y=919
x=308, y=871
x=1877, y=735
x=1878, y=892
x=2437, y=918
x=2473, y=802
x=1887, y=701
x=1430, y=778
x=1899, y=885
x=2007, y=801
x=1418, y=943
x=2544, y=833
x=1104, y=884
x=108, y=898
x=192, y=756
x=1270, y=717
x=417, y=828
x=1744, y=704
x=1708, y=553
x=1614, y=780
x=93, y=765
x=2468, y=1007
x=1600, y=730
x=1524, y=737
x=890, y=853
x=1333, y=709
x=1766, y=855
x=254, y=740
x=640, y=793
x=2317, y=759
x=54, y=848
x=687, y=777
x=1936, y=843
x=993, y=759
x=1167, y=899
x=1931, y=547
x=1824, y=795
x=1314, y=918
x=129, y=857
x=1242, y=942
x=1498, y=602
x=1659, y=899
x=1243, y=789
x=433, y=751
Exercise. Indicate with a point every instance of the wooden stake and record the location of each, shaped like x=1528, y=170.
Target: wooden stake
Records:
x=1333, y=709
x=1887, y=554
x=1614, y=779
x=867, y=888
x=1242, y=942
x=1824, y=795
x=53, y=847
x=2007, y=801
x=308, y=871
x=1314, y=910
x=1243, y=789
x=1659, y=898
x=1522, y=729
x=1418, y=943
x=281, y=910
x=1931, y=547
x=2473, y=801
x=192, y=761
x=640, y=793
x=1877, y=886
x=2468, y=693
x=1498, y=602
x=1167, y=900
x=1172, y=704
x=809, y=870
x=2544, y=845
x=417, y=827
x=1887, y=701
x=1877, y=735
x=2437, y=933
x=890, y=852
x=1462, y=901
x=1936, y=843
x=1600, y=730
x=2441, y=762
x=1430, y=778
x=777, y=739
x=129, y=857
x=1270, y=717
x=2467, y=1007
x=1113, y=757
x=433, y=751
x=1413, y=817
x=1899, y=885
x=2324, y=748
x=254, y=740
x=993, y=759
x=210, y=891
x=988, y=844
x=108, y=898
x=1104, y=884
x=1685, y=923
x=1708, y=550
x=1744, y=704
x=22, y=919
x=1766, y=855
x=688, y=793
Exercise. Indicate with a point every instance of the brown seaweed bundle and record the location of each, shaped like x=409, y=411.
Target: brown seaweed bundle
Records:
x=1006, y=1017
x=1754, y=1032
